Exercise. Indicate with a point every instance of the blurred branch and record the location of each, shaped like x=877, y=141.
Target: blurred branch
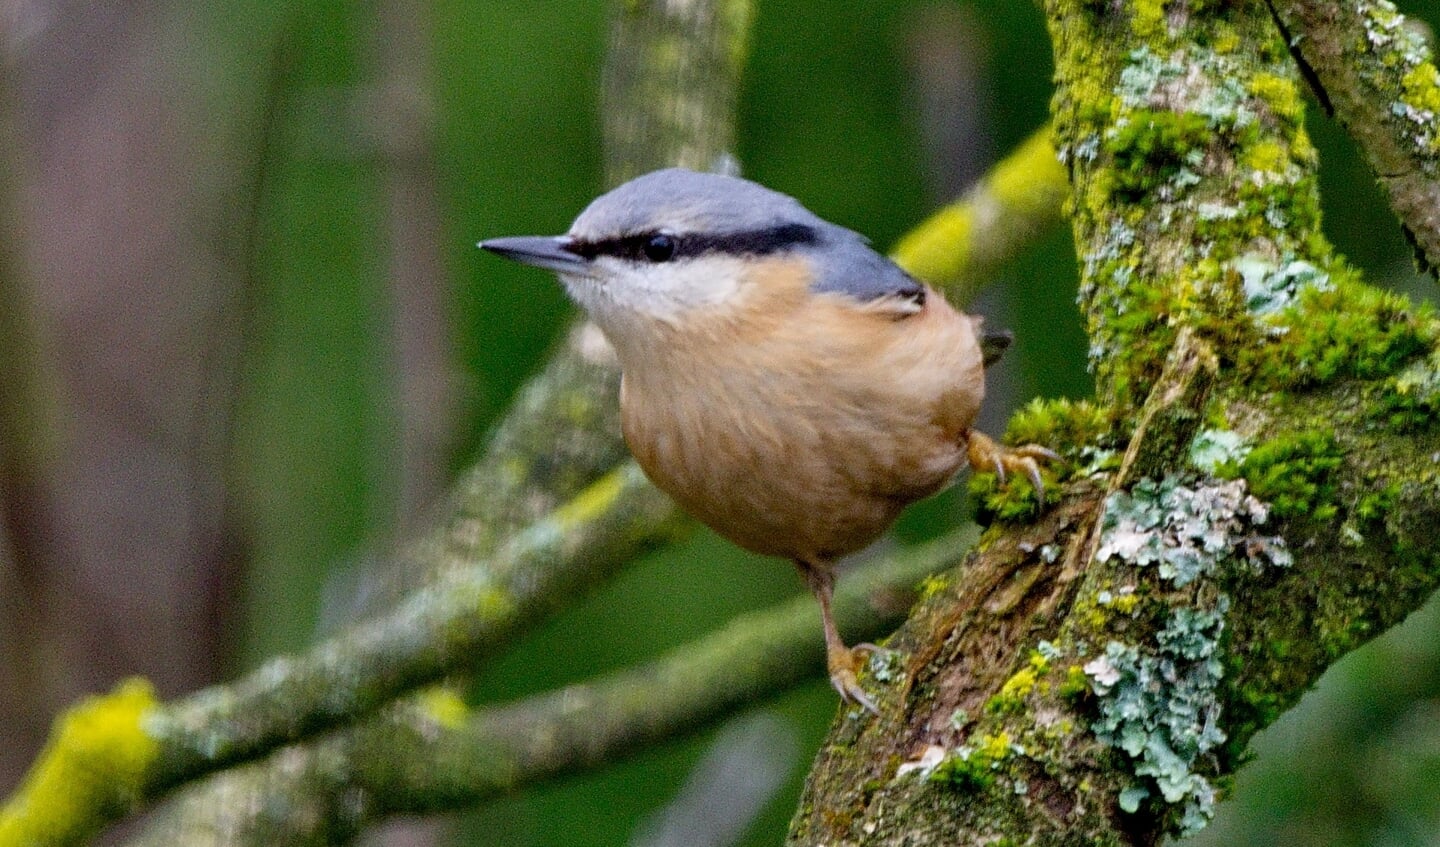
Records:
x=404, y=115
x=671, y=81
x=962, y=245
x=433, y=753
x=445, y=626
x=29, y=394
x=1095, y=673
x=1372, y=69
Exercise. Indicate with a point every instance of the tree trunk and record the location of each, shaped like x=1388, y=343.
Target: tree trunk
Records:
x=1250, y=497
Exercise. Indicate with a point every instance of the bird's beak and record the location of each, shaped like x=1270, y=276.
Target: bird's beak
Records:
x=552, y=252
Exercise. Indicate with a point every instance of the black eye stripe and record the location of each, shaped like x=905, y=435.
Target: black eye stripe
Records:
x=754, y=242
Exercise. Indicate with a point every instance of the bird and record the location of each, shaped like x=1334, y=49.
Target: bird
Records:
x=782, y=381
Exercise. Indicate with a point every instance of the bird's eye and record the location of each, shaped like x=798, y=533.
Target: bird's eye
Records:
x=659, y=247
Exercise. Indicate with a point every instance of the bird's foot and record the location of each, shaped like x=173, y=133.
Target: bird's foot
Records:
x=844, y=664
x=986, y=454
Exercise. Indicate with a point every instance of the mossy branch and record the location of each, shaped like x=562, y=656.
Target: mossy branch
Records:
x=963, y=245
x=434, y=753
x=1375, y=73
x=446, y=626
x=1247, y=496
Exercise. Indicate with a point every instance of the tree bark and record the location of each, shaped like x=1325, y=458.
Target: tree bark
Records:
x=1246, y=500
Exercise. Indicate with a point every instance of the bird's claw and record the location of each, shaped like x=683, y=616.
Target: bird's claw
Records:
x=984, y=452
x=844, y=665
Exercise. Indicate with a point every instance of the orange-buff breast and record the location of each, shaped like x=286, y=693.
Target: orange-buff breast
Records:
x=800, y=426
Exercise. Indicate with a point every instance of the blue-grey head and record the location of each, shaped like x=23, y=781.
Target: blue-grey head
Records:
x=671, y=242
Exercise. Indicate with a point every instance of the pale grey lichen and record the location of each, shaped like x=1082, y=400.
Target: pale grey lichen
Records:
x=885, y=665
x=1420, y=382
x=1213, y=448
x=1160, y=709
x=1270, y=287
x=1146, y=73
x=1158, y=702
x=1188, y=533
x=1212, y=211
x=1174, y=82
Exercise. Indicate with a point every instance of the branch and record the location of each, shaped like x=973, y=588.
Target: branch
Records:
x=31, y=427
x=1373, y=71
x=433, y=753
x=1094, y=676
x=145, y=748
x=964, y=244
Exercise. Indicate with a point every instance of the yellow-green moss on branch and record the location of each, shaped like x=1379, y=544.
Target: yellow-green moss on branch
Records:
x=963, y=244
x=100, y=761
x=442, y=628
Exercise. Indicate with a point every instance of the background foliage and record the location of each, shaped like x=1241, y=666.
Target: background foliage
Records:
x=245, y=230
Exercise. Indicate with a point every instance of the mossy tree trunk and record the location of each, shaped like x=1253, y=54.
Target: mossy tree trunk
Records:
x=1248, y=498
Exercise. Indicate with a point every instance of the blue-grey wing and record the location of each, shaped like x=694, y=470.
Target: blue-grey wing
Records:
x=847, y=265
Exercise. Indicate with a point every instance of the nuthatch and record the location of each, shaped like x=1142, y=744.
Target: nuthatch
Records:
x=786, y=384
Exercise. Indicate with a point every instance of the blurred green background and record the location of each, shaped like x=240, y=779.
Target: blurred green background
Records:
x=246, y=234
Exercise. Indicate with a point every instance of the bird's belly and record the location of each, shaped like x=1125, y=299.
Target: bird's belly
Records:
x=796, y=486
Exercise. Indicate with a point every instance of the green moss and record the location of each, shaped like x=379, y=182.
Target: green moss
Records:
x=1061, y=424
x=1147, y=19
x=1347, y=329
x=932, y=585
x=1011, y=697
x=1412, y=403
x=1265, y=156
x=1014, y=502
x=975, y=766
x=1376, y=505
x=1295, y=474
x=1065, y=426
x=1225, y=40
x=1076, y=684
x=1281, y=95
x=1421, y=92
x=593, y=501
x=1123, y=603
x=443, y=706
x=1152, y=147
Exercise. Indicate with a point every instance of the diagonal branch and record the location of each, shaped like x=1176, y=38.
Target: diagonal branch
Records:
x=963, y=245
x=1376, y=74
x=432, y=753
x=145, y=748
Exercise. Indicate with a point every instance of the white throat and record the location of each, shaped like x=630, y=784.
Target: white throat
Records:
x=626, y=297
